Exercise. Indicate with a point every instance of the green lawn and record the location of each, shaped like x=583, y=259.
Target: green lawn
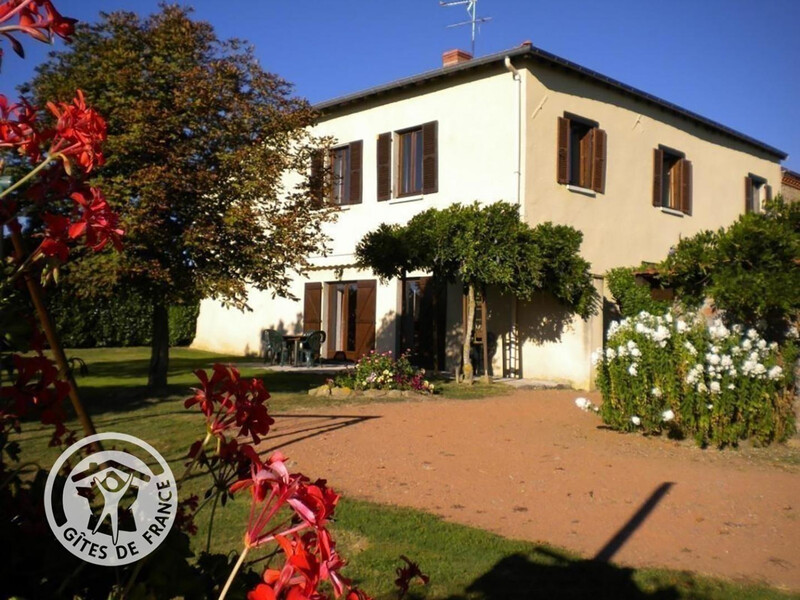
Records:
x=463, y=562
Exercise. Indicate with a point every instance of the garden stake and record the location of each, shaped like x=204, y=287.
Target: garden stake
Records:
x=35, y=291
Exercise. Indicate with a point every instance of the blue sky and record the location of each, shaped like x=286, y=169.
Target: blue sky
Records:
x=733, y=61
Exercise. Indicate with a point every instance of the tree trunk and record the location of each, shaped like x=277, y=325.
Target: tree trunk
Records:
x=469, y=323
x=159, y=352
x=485, y=330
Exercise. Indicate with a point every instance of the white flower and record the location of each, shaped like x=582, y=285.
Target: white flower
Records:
x=622, y=351
x=681, y=326
x=701, y=388
x=667, y=415
x=709, y=406
x=640, y=328
x=668, y=317
x=759, y=369
x=632, y=370
x=715, y=389
x=731, y=386
x=690, y=347
x=736, y=351
x=631, y=345
x=636, y=420
x=656, y=392
x=636, y=353
x=762, y=344
x=726, y=361
x=610, y=354
x=792, y=333
x=752, y=334
x=583, y=403
x=713, y=358
x=775, y=373
x=747, y=344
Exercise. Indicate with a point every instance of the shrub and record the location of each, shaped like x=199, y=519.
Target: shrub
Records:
x=380, y=371
x=717, y=384
x=631, y=297
x=125, y=319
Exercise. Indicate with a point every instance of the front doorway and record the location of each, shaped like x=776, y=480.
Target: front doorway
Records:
x=351, y=318
x=422, y=328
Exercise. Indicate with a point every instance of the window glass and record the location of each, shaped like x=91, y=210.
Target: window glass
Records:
x=341, y=175
x=410, y=162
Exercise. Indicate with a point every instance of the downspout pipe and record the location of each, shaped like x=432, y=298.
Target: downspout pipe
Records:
x=515, y=369
x=515, y=74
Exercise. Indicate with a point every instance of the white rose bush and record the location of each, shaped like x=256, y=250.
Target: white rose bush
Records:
x=686, y=377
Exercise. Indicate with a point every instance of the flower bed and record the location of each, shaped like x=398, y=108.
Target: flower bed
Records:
x=716, y=384
x=381, y=371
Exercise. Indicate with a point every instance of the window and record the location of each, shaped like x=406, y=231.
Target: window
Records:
x=410, y=162
x=756, y=192
x=672, y=181
x=344, y=168
x=340, y=167
x=415, y=162
x=581, y=153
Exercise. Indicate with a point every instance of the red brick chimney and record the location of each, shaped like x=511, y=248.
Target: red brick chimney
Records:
x=455, y=57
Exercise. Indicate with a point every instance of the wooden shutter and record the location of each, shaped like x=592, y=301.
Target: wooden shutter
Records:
x=748, y=194
x=599, y=161
x=316, y=182
x=356, y=153
x=767, y=192
x=658, y=175
x=384, y=166
x=430, y=158
x=330, y=299
x=562, y=145
x=312, y=307
x=685, y=204
x=365, y=317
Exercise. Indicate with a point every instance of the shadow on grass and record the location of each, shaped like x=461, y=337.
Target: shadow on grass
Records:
x=101, y=397
x=561, y=578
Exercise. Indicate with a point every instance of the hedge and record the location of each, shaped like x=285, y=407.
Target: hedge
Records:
x=120, y=320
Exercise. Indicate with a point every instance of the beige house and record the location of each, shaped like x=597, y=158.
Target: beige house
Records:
x=790, y=185
x=633, y=172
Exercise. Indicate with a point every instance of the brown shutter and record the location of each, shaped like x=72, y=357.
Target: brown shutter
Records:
x=384, y=166
x=430, y=158
x=686, y=186
x=562, y=144
x=365, y=317
x=748, y=194
x=767, y=192
x=330, y=298
x=312, y=307
x=658, y=167
x=599, y=161
x=356, y=152
x=316, y=181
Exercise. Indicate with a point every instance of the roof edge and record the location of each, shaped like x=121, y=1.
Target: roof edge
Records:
x=537, y=54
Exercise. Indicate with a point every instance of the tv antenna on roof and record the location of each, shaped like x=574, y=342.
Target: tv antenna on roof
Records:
x=472, y=6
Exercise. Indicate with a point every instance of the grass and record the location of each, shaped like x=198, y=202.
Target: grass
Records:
x=464, y=563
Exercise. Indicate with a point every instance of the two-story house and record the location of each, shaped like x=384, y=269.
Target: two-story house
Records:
x=633, y=172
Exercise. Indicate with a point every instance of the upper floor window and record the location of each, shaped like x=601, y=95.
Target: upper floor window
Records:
x=672, y=180
x=415, y=162
x=581, y=153
x=344, y=167
x=756, y=192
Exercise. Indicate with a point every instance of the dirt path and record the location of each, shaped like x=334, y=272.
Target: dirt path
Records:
x=532, y=466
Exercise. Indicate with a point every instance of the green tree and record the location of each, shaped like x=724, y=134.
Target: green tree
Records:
x=484, y=246
x=199, y=138
x=750, y=270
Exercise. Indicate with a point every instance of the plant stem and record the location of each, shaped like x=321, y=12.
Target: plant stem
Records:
x=31, y=174
x=236, y=568
x=194, y=460
x=211, y=522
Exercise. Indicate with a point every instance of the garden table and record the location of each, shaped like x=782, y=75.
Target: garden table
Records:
x=293, y=341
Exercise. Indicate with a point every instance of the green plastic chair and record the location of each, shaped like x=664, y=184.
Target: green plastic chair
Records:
x=273, y=348
x=310, y=349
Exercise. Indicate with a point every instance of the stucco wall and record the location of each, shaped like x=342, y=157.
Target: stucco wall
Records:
x=620, y=226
